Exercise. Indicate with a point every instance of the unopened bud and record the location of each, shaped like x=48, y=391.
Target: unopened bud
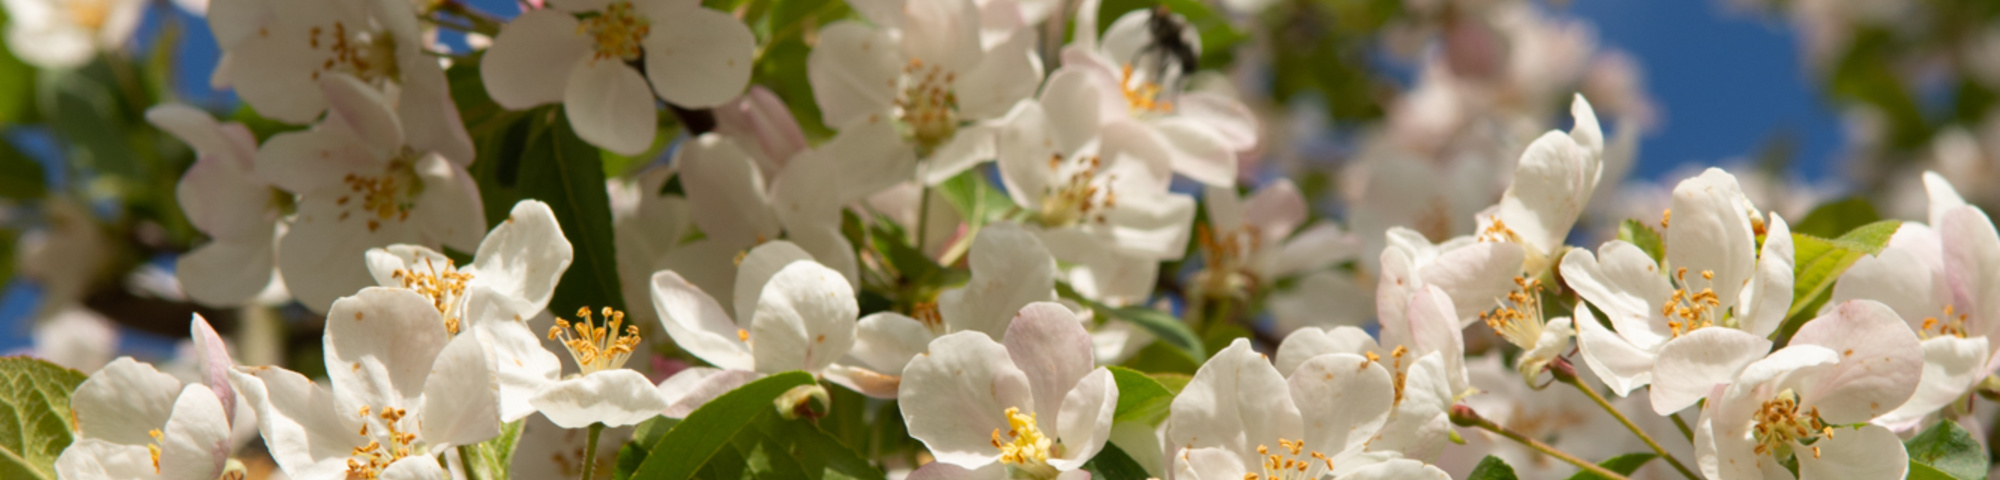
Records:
x=1462, y=415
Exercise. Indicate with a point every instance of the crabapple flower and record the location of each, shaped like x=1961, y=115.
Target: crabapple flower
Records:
x=1252, y=242
x=224, y=198
x=1553, y=181
x=1934, y=276
x=1422, y=349
x=1242, y=418
x=797, y=315
x=1846, y=367
x=740, y=209
x=1010, y=269
x=60, y=34
x=403, y=391
x=361, y=184
x=582, y=52
x=511, y=279
x=135, y=422
x=919, y=87
x=1200, y=133
x=1661, y=321
x=1462, y=267
x=604, y=391
x=978, y=403
x=275, y=55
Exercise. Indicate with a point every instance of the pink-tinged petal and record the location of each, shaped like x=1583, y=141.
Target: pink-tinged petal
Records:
x=1225, y=116
x=1430, y=326
x=610, y=106
x=1145, y=154
x=759, y=114
x=364, y=111
x=1308, y=343
x=301, y=162
x=804, y=320
x=1880, y=364
x=719, y=176
x=306, y=433
x=692, y=388
x=1198, y=152
x=1026, y=143
x=1620, y=364
x=1867, y=452
x=1010, y=270
x=1952, y=366
x=943, y=34
x=1006, y=75
x=955, y=396
x=212, y=362
x=381, y=345
x=1972, y=266
x=530, y=61
x=1049, y=344
x=1693, y=364
x=1943, y=198
x=462, y=395
x=124, y=399
x=1768, y=296
x=1622, y=281
x=853, y=73
x=226, y=272
x=699, y=58
x=756, y=270
x=1234, y=402
x=1343, y=399
x=1084, y=421
x=616, y=397
x=1711, y=233
x=864, y=381
x=1276, y=209
x=872, y=158
x=697, y=324
x=522, y=259
x=271, y=76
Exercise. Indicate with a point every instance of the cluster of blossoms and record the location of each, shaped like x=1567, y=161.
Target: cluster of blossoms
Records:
x=940, y=317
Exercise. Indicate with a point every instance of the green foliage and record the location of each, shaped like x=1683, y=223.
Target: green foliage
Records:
x=871, y=427
x=741, y=435
x=1492, y=468
x=21, y=178
x=17, y=87
x=562, y=170
x=1322, y=49
x=1141, y=399
x=1836, y=217
x=493, y=459
x=1112, y=463
x=1160, y=357
x=1158, y=323
x=1949, y=450
x=1643, y=236
x=975, y=198
x=1623, y=464
x=35, y=419
x=1819, y=263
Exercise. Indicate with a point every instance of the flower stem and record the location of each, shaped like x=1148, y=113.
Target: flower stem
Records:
x=1566, y=373
x=1463, y=416
x=923, y=217
x=1682, y=425
x=590, y=452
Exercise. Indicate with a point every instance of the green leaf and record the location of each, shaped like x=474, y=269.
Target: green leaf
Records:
x=493, y=459
x=1160, y=358
x=647, y=434
x=1173, y=381
x=84, y=111
x=1492, y=468
x=974, y=198
x=1141, y=399
x=1158, y=323
x=777, y=448
x=708, y=431
x=1920, y=471
x=1112, y=463
x=35, y=419
x=1623, y=464
x=1819, y=263
x=1834, y=218
x=1950, y=449
x=1643, y=236
x=557, y=167
x=17, y=87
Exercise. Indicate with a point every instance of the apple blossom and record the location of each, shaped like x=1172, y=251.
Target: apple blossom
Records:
x=67, y=33
x=129, y=412
x=226, y=199
x=800, y=315
x=1199, y=133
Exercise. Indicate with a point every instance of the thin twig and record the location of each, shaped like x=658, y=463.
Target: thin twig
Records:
x=1683, y=426
x=1566, y=373
x=1463, y=416
x=590, y=452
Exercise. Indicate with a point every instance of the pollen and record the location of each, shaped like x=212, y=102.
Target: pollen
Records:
x=1781, y=422
x=1024, y=448
x=927, y=106
x=597, y=348
x=367, y=55
x=1519, y=317
x=386, y=197
x=1688, y=310
x=445, y=287
x=1498, y=232
x=1142, y=96
x=618, y=32
x=1951, y=323
x=1084, y=193
x=1227, y=254
x=153, y=449
x=1291, y=461
x=368, y=461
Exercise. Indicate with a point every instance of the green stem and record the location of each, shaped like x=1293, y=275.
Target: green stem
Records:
x=472, y=472
x=1567, y=374
x=1682, y=425
x=590, y=452
x=1463, y=416
x=923, y=217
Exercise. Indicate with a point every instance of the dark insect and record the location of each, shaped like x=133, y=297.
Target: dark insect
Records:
x=1169, y=43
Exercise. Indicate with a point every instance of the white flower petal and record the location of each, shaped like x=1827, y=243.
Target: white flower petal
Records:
x=804, y=319
x=1952, y=366
x=886, y=341
x=227, y=272
x=1897, y=277
x=530, y=61
x=1622, y=281
x=1972, y=266
x=616, y=398
x=381, y=345
x=212, y=364
x=1308, y=343
x=707, y=384
x=522, y=259
x=1208, y=463
x=93, y=458
x=697, y=324
x=448, y=212
x=1473, y=273
x=697, y=57
x=1010, y=269
x=364, y=111
x=1225, y=116
x=757, y=268
x=1553, y=181
x=1235, y=401
x=872, y=158
x=1343, y=399
x=1620, y=364
x=301, y=426
x=521, y=365
x=853, y=72
x=1710, y=232
x=415, y=467
x=724, y=181
x=1198, y=152
x=1880, y=364
x=462, y=396
x=956, y=395
x=1692, y=365
x=124, y=399
x=1007, y=74
x=1768, y=296
x=195, y=443
x=1867, y=452
x=1398, y=469
x=1942, y=197
x=1418, y=426
x=1049, y=344
x=944, y=34
x=1084, y=422
x=609, y=105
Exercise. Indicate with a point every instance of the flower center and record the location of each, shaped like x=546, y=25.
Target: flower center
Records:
x=928, y=106
x=1519, y=318
x=389, y=196
x=1687, y=312
x=594, y=348
x=154, y=448
x=1142, y=95
x=91, y=15
x=1780, y=423
x=618, y=32
x=1228, y=254
x=1081, y=194
x=1951, y=323
x=1397, y=374
x=368, y=461
x=1291, y=462
x=1025, y=450
x=367, y=55
x=445, y=287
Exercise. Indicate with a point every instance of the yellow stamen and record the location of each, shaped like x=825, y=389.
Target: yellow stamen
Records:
x=618, y=32
x=1026, y=450
x=599, y=348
